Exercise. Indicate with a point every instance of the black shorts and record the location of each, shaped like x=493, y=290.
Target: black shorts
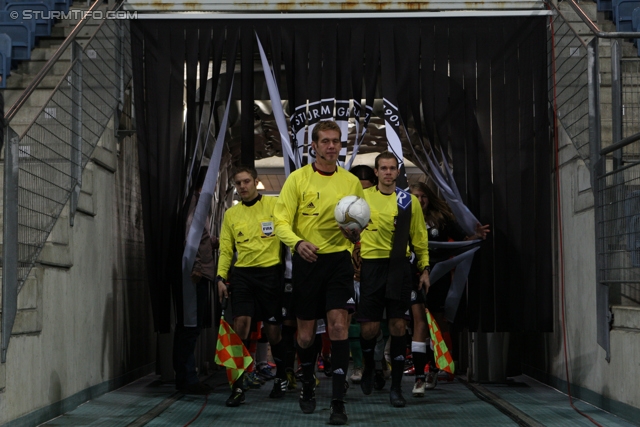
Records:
x=257, y=292
x=288, y=312
x=373, y=288
x=418, y=296
x=324, y=285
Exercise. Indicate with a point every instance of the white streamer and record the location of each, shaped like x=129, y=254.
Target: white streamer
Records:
x=276, y=106
x=203, y=208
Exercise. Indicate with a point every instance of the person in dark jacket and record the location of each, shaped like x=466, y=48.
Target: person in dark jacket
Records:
x=202, y=274
x=441, y=227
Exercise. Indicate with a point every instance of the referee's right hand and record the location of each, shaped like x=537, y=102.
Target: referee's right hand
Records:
x=307, y=251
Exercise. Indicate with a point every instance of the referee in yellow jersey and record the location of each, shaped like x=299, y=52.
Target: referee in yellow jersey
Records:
x=257, y=282
x=379, y=288
x=322, y=269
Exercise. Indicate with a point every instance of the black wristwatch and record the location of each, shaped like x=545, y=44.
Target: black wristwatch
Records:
x=221, y=279
x=427, y=269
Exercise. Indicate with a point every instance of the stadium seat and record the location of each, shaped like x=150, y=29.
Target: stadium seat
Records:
x=605, y=6
x=43, y=25
x=623, y=14
x=62, y=5
x=5, y=17
x=20, y=39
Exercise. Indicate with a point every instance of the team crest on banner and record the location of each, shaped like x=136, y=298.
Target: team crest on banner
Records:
x=393, y=122
x=297, y=133
x=267, y=228
x=404, y=198
x=342, y=119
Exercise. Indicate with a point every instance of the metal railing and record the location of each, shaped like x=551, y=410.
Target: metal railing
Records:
x=43, y=166
x=615, y=169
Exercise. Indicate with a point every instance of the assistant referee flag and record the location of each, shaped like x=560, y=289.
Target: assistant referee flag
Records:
x=444, y=361
x=231, y=352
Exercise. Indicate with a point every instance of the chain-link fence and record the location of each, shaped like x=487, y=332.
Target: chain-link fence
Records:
x=619, y=237
x=619, y=200
x=568, y=82
x=630, y=69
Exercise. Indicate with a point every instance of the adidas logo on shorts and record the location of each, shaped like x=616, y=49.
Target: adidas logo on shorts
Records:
x=351, y=301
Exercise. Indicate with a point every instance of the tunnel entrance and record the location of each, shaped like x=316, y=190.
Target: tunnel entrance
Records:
x=472, y=91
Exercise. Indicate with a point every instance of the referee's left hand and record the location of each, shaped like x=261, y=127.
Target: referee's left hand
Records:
x=424, y=281
x=353, y=235
x=223, y=291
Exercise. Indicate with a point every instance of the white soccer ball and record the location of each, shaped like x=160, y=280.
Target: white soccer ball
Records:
x=352, y=212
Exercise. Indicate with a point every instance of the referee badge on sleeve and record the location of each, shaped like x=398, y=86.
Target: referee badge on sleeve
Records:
x=267, y=229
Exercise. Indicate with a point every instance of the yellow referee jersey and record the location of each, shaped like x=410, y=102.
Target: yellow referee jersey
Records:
x=304, y=210
x=249, y=230
x=377, y=239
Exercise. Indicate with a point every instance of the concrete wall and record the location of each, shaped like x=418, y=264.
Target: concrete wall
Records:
x=84, y=324
x=610, y=385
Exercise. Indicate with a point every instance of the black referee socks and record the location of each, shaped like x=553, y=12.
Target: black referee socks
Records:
x=397, y=352
x=340, y=365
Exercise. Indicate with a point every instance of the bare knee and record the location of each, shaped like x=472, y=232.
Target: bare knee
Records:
x=274, y=334
x=337, y=323
x=305, y=341
x=369, y=330
x=306, y=333
x=241, y=325
x=338, y=331
x=397, y=327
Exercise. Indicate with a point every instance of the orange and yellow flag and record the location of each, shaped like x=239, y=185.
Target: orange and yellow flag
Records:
x=231, y=352
x=444, y=361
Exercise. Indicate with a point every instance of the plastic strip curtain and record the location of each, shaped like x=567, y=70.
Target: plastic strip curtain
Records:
x=199, y=218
